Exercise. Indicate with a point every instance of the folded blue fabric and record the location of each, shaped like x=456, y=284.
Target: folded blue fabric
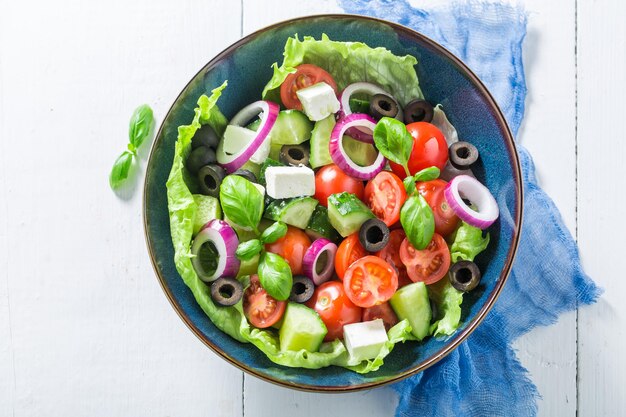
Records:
x=483, y=377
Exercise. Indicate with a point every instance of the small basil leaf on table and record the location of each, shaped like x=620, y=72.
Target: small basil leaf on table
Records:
x=120, y=170
x=275, y=276
x=274, y=232
x=427, y=174
x=393, y=141
x=241, y=202
x=417, y=221
x=140, y=125
x=248, y=250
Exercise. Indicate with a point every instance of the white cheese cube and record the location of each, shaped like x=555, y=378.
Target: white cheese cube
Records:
x=260, y=188
x=318, y=101
x=289, y=182
x=364, y=340
x=236, y=138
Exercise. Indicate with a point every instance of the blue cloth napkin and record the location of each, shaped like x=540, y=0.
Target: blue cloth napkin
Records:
x=483, y=377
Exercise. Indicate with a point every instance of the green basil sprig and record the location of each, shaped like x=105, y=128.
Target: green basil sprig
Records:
x=241, y=202
x=427, y=174
x=139, y=129
x=275, y=276
x=274, y=232
x=394, y=141
x=248, y=250
x=417, y=221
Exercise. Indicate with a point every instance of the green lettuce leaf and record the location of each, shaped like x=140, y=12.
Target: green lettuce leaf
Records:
x=448, y=301
x=348, y=62
x=468, y=242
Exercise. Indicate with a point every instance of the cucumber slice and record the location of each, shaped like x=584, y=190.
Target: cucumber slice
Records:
x=358, y=105
x=254, y=168
x=269, y=162
x=294, y=211
x=275, y=151
x=243, y=234
x=249, y=267
x=319, y=225
x=347, y=213
x=208, y=209
x=302, y=328
x=411, y=302
x=363, y=154
x=291, y=128
x=320, y=138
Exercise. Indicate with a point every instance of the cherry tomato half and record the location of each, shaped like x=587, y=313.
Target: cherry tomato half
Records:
x=259, y=307
x=446, y=221
x=382, y=311
x=291, y=247
x=349, y=251
x=385, y=194
x=391, y=255
x=306, y=75
x=370, y=281
x=428, y=265
x=331, y=179
x=429, y=149
x=335, y=308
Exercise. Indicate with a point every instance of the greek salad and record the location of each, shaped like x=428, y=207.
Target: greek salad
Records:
x=333, y=218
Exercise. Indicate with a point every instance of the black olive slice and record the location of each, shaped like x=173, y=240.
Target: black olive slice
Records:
x=226, y=291
x=381, y=105
x=302, y=289
x=200, y=157
x=210, y=178
x=249, y=175
x=462, y=154
x=205, y=136
x=294, y=155
x=418, y=111
x=464, y=275
x=374, y=235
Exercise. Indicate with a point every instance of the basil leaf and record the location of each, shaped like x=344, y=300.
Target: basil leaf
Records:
x=241, y=202
x=140, y=125
x=120, y=170
x=275, y=276
x=393, y=140
x=274, y=232
x=409, y=185
x=418, y=221
x=427, y=174
x=248, y=250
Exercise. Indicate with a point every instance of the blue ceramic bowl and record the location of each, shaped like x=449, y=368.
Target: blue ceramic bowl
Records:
x=444, y=79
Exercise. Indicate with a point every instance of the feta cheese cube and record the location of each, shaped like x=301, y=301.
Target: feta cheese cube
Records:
x=260, y=188
x=318, y=101
x=237, y=138
x=364, y=340
x=289, y=182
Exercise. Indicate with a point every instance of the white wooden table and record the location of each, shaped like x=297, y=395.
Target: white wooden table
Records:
x=84, y=327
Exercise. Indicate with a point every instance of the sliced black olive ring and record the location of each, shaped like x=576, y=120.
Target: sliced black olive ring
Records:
x=464, y=275
x=374, y=235
x=418, y=111
x=302, y=289
x=226, y=291
x=200, y=157
x=210, y=178
x=294, y=155
x=462, y=154
x=249, y=175
x=381, y=105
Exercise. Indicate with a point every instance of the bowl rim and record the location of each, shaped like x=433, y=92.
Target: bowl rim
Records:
x=458, y=338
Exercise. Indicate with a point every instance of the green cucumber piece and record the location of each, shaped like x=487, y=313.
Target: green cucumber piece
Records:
x=292, y=127
x=254, y=168
x=302, y=328
x=358, y=105
x=411, y=302
x=294, y=211
x=249, y=267
x=269, y=162
x=208, y=209
x=275, y=151
x=347, y=213
x=361, y=153
x=320, y=138
x=319, y=225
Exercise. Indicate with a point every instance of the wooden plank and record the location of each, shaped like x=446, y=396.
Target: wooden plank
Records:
x=601, y=200
x=549, y=354
x=92, y=331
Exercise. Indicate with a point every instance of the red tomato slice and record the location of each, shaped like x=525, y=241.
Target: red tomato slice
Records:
x=335, y=308
x=370, y=281
x=291, y=247
x=446, y=221
x=382, y=311
x=429, y=149
x=391, y=255
x=331, y=179
x=385, y=194
x=349, y=251
x=428, y=265
x=261, y=309
x=306, y=75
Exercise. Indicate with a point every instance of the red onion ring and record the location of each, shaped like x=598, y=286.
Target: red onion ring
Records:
x=464, y=186
x=225, y=241
x=311, y=257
